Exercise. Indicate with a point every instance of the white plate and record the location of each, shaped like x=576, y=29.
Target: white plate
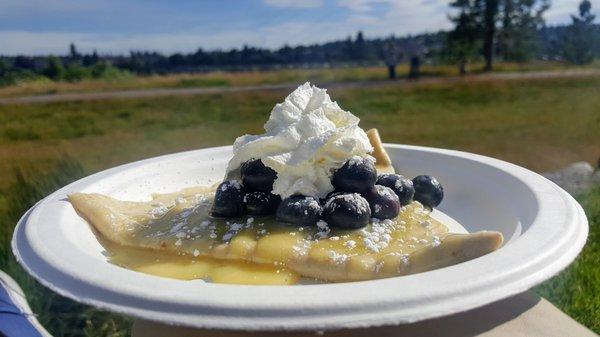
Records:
x=543, y=226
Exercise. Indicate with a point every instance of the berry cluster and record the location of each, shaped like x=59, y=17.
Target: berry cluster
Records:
x=252, y=196
x=359, y=195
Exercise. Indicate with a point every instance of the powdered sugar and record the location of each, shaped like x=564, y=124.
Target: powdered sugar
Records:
x=350, y=244
x=158, y=211
x=337, y=257
x=230, y=184
x=354, y=201
x=323, y=229
x=378, y=236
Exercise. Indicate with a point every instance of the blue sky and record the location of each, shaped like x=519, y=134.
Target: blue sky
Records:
x=112, y=26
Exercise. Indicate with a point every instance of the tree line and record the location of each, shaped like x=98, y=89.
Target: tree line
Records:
x=487, y=30
x=514, y=30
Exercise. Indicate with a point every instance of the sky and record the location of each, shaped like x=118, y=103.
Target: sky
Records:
x=39, y=27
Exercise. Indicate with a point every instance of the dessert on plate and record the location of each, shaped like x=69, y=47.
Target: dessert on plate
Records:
x=314, y=198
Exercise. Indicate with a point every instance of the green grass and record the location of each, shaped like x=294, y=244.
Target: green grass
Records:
x=59, y=315
x=576, y=290
x=201, y=82
x=540, y=124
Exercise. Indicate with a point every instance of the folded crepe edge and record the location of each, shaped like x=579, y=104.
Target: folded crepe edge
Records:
x=99, y=215
x=453, y=249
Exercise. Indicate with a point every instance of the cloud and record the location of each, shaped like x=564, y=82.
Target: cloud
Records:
x=374, y=18
x=38, y=43
x=560, y=11
x=359, y=5
x=274, y=36
x=294, y=3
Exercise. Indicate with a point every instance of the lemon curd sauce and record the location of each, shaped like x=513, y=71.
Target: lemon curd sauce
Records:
x=179, y=239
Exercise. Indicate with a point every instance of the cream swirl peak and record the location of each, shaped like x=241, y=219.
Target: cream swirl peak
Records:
x=307, y=137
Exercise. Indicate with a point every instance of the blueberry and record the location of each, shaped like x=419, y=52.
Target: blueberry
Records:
x=356, y=175
x=261, y=203
x=403, y=187
x=329, y=195
x=229, y=199
x=347, y=211
x=428, y=190
x=257, y=177
x=299, y=210
x=384, y=202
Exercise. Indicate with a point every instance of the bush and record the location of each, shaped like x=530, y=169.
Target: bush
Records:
x=17, y=76
x=55, y=71
x=54, y=68
x=75, y=73
x=103, y=70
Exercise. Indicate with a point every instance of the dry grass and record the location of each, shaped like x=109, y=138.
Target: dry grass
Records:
x=215, y=79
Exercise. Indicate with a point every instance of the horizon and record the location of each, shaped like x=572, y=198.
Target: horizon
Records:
x=37, y=28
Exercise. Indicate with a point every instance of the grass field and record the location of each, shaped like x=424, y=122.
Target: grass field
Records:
x=576, y=289
x=540, y=124
x=235, y=79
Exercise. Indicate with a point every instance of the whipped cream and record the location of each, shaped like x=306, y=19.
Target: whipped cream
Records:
x=307, y=137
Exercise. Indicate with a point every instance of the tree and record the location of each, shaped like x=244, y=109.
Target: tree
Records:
x=348, y=49
x=414, y=72
x=521, y=20
x=177, y=60
x=54, y=68
x=463, y=43
x=490, y=12
x=475, y=24
x=3, y=68
x=391, y=56
x=579, y=40
x=90, y=59
x=73, y=53
x=24, y=63
x=360, y=48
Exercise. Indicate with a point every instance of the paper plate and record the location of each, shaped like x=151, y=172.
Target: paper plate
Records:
x=543, y=226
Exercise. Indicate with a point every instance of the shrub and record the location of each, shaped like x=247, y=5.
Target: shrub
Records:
x=75, y=73
x=17, y=76
x=54, y=68
x=104, y=70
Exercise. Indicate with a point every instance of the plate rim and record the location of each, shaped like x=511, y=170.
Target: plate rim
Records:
x=382, y=313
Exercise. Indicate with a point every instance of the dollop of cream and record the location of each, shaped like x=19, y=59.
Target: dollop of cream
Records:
x=307, y=137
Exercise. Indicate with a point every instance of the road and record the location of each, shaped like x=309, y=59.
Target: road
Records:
x=162, y=92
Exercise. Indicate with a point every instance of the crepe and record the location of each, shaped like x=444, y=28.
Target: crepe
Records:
x=180, y=223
